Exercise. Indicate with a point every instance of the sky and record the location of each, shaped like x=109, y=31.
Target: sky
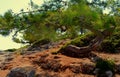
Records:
x=7, y=43
x=16, y=6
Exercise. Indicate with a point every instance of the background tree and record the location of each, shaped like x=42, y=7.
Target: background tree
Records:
x=6, y=23
x=35, y=25
x=101, y=25
x=68, y=17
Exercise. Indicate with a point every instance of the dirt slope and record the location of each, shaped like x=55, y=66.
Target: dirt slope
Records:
x=55, y=65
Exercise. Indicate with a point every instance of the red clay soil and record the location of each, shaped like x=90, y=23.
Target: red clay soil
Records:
x=54, y=65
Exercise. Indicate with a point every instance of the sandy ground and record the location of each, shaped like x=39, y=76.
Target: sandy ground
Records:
x=30, y=59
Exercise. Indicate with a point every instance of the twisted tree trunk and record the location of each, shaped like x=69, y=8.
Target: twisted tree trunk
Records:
x=95, y=43
x=75, y=51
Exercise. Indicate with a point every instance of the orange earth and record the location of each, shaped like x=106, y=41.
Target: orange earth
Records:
x=53, y=59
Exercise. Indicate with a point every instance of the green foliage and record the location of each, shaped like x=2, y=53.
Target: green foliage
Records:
x=72, y=32
x=8, y=15
x=32, y=34
x=53, y=5
x=116, y=39
x=69, y=17
x=11, y=50
x=64, y=46
x=83, y=40
x=112, y=43
x=5, y=32
x=6, y=22
x=105, y=65
x=41, y=42
x=108, y=46
x=108, y=21
x=41, y=25
x=80, y=14
x=80, y=41
x=54, y=53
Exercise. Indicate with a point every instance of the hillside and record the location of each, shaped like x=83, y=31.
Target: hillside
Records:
x=47, y=63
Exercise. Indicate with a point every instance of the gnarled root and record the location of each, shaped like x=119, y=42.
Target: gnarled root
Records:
x=75, y=51
x=85, y=51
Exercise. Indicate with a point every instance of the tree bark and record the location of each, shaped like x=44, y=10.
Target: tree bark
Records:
x=75, y=51
x=95, y=43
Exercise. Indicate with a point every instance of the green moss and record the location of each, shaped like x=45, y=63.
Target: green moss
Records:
x=112, y=43
x=105, y=65
x=77, y=41
x=41, y=42
x=54, y=53
x=108, y=46
x=80, y=41
x=64, y=46
x=11, y=50
x=83, y=40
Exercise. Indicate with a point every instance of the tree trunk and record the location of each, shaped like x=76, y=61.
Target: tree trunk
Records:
x=94, y=44
x=75, y=51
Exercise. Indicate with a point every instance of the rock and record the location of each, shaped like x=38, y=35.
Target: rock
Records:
x=9, y=58
x=82, y=68
x=7, y=54
x=95, y=59
x=5, y=65
x=52, y=65
x=2, y=53
x=100, y=73
x=75, y=68
x=28, y=52
x=118, y=68
x=109, y=73
x=22, y=72
x=47, y=74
